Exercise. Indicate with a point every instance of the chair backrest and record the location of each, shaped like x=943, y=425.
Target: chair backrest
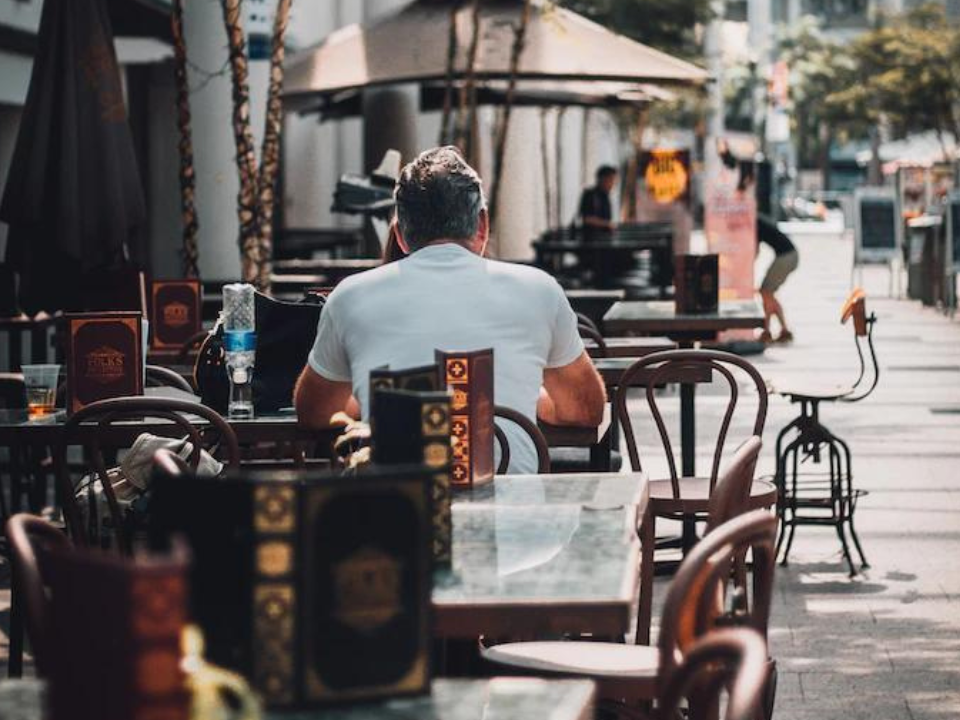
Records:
x=530, y=428
x=731, y=495
x=106, y=413
x=732, y=658
x=855, y=307
x=31, y=538
x=13, y=391
x=159, y=376
x=591, y=333
x=583, y=319
x=191, y=346
x=663, y=367
x=696, y=600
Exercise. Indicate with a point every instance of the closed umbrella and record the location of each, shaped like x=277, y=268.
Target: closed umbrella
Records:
x=73, y=198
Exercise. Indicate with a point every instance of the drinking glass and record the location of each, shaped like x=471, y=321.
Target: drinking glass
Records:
x=41, y=382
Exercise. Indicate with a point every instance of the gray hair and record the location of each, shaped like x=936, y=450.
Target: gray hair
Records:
x=439, y=196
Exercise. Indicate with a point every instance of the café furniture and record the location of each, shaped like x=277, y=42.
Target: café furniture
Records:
x=530, y=428
x=661, y=318
x=159, y=376
x=37, y=331
x=593, y=302
x=307, y=242
x=513, y=697
x=827, y=498
x=681, y=496
x=30, y=538
x=694, y=606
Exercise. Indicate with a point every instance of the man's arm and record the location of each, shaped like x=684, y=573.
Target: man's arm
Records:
x=317, y=399
x=573, y=394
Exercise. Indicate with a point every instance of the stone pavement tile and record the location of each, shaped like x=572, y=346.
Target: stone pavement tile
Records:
x=788, y=686
x=840, y=708
x=933, y=706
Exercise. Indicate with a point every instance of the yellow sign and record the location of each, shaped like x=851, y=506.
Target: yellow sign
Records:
x=666, y=176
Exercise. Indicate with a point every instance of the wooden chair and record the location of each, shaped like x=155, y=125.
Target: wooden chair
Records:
x=735, y=658
x=688, y=498
x=104, y=416
x=828, y=498
x=159, y=376
x=696, y=604
x=13, y=396
x=532, y=431
x=31, y=538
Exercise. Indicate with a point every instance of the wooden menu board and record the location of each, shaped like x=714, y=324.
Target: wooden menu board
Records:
x=878, y=226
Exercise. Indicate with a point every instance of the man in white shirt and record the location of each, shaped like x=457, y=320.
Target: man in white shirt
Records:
x=446, y=295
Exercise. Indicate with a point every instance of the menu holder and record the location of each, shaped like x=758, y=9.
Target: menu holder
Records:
x=425, y=378
x=174, y=312
x=469, y=377
x=118, y=625
x=104, y=357
x=313, y=585
x=697, y=284
x=410, y=427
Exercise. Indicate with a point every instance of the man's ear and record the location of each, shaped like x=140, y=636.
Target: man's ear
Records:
x=395, y=229
x=483, y=233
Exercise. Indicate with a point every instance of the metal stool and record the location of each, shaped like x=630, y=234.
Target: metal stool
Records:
x=826, y=497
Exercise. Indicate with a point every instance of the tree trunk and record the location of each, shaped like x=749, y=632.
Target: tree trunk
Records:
x=545, y=165
x=520, y=34
x=445, y=124
x=270, y=150
x=468, y=97
x=558, y=168
x=825, y=133
x=189, y=253
x=243, y=137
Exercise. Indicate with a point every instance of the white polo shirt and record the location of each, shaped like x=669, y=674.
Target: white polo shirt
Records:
x=446, y=297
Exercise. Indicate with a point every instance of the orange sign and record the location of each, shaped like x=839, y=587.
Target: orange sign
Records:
x=667, y=175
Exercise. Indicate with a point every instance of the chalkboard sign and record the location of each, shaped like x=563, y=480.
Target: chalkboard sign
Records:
x=878, y=225
x=953, y=233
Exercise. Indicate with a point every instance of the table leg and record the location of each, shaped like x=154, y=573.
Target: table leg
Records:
x=688, y=430
x=645, y=611
x=601, y=454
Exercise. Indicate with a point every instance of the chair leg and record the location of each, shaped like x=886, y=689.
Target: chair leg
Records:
x=793, y=452
x=851, y=500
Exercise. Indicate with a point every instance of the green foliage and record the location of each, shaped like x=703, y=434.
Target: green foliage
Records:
x=903, y=74
x=668, y=25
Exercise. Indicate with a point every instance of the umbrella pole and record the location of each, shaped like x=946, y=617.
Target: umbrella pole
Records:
x=190, y=254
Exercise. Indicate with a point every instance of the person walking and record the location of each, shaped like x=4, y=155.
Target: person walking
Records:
x=785, y=261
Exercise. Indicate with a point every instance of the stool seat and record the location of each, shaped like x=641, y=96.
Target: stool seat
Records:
x=639, y=663
x=827, y=393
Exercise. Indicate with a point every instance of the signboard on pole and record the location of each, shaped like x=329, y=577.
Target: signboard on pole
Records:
x=878, y=226
x=666, y=175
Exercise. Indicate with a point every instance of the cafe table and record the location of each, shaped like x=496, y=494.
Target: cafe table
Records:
x=657, y=317
x=485, y=699
x=545, y=555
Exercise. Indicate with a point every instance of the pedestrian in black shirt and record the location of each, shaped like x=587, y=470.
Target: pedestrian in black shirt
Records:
x=596, y=213
x=786, y=258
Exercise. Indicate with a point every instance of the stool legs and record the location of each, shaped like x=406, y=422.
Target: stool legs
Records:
x=835, y=495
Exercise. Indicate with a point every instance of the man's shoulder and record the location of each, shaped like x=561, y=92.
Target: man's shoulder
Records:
x=522, y=275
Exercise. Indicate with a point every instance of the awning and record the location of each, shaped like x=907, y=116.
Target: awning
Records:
x=411, y=45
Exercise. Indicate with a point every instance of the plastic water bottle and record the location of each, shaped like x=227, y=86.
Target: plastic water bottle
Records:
x=239, y=341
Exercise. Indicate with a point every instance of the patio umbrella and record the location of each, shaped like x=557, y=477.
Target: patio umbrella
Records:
x=411, y=46
x=530, y=93
x=73, y=198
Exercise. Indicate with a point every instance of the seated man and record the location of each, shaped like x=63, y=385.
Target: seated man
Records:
x=445, y=295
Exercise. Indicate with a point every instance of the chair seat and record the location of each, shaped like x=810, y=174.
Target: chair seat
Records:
x=591, y=659
x=575, y=459
x=695, y=495
x=812, y=392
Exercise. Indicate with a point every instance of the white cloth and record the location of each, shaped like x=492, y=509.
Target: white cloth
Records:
x=446, y=297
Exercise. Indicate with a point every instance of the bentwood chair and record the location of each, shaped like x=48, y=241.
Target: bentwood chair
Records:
x=697, y=603
x=827, y=497
x=733, y=658
x=31, y=539
x=159, y=376
x=688, y=498
x=532, y=431
x=106, y=424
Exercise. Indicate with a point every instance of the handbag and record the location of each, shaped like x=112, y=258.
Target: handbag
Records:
x=285, y=335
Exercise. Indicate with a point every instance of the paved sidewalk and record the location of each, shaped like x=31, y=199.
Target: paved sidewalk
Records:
x=886, y=644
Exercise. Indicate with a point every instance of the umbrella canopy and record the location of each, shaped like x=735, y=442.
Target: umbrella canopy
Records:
x=73, y=197
x=528, y=93
x=411, y=45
